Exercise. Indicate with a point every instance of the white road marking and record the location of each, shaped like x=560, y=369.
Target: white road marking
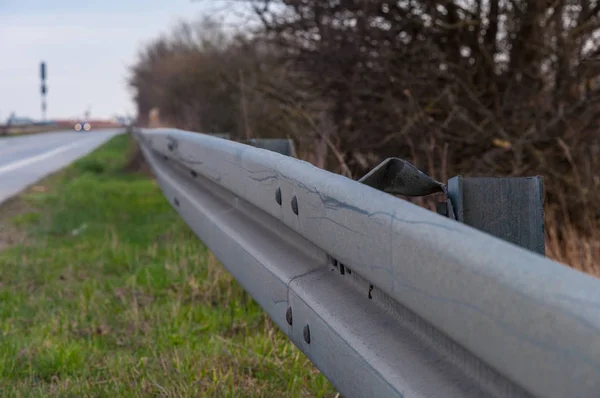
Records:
x=33, y=159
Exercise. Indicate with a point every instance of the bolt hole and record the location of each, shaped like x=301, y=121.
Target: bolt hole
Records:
x=370, y=290
x=194, y=174
x=295, y=205
x=278, y=196
x=342, y=269
x=176, y=202
x=306, y=334
x=288, y=316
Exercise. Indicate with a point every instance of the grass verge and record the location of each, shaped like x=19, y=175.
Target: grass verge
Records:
x=27, y=130
x=104, y=291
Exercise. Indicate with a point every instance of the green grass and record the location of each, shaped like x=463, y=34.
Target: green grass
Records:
x=109, y=293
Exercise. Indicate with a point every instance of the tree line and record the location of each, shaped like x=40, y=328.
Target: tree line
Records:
x=474, y=87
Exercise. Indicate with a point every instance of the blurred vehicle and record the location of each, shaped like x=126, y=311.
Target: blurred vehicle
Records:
x=85, y=126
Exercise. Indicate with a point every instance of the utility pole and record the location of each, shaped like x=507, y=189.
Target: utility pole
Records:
x=43, y=89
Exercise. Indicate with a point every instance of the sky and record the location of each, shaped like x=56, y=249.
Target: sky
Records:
x=88, y=47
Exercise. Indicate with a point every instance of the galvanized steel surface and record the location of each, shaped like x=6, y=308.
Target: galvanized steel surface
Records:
x=367, y=345
x=534, y=321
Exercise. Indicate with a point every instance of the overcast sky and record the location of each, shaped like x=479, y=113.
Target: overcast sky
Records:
x=88, y=47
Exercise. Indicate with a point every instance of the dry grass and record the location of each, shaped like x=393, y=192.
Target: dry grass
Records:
x=24, y=130
x=571, y=245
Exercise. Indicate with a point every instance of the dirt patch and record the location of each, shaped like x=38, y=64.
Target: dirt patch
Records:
x=10, y=234
x=136, y=163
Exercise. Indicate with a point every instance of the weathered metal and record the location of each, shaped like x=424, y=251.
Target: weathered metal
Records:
x=431, y=307
x=399, y=177
x=279, y=145
x=508, y=208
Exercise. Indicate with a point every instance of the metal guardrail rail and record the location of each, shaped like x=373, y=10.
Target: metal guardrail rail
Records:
x=384, y=297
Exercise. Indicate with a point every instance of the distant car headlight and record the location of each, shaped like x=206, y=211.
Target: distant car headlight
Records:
x=87, y=127
x=78, y=127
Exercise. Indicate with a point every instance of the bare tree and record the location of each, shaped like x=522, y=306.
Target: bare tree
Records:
x=484, y=87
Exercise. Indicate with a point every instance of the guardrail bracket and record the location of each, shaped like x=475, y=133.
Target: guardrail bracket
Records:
x=510, y=208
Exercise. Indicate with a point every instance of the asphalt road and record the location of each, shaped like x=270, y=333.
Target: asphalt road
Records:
x=26, y=159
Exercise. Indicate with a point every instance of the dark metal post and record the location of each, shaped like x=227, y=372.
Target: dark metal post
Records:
x=283, y=146
x=44, y=89
x=508, y=208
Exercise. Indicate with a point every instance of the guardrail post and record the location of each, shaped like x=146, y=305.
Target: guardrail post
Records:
x=508, y=208
x=283, y=146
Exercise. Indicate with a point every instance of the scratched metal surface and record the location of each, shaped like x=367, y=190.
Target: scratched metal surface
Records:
x=367, y=347
x=533, y=320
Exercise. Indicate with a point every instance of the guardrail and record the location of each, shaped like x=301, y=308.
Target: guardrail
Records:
x=384, y=297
